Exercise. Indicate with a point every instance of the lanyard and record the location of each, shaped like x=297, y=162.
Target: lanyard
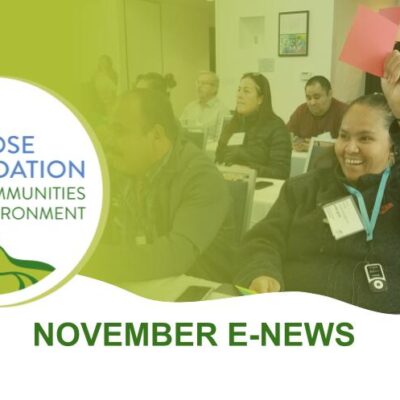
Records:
x=370, y=223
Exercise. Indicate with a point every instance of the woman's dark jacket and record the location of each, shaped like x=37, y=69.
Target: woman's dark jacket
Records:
x=266, y=146
x=294, y=243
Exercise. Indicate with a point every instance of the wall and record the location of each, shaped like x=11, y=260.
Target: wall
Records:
x=286, y=84
x=147, y=36
x=184, y=33
x=143, y=38
x=349, y=81
x=102, y=31
x=185, y=26
x=168, y=36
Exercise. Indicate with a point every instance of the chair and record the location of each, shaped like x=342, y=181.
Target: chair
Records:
x=320, y=153
x=241, y=182
x=226, y=120
x=197, y=136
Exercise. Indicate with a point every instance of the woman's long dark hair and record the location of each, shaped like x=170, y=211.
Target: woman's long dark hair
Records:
x=265, y=111
x=263, y=89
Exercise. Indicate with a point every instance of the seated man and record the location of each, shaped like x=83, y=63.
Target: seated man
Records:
x=170, y=211
x=207, y=112
x=319, y=114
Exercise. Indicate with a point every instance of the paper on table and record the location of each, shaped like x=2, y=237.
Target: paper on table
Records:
x=370, y=39
x=324, y=136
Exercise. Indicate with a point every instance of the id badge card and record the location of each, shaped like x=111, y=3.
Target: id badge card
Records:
x=236, y=139
x=343, y=217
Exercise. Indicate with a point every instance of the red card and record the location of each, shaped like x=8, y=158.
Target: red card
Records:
x=370, y=39
x=391, y=13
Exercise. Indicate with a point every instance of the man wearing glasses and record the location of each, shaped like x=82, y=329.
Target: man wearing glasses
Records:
x=207, y=112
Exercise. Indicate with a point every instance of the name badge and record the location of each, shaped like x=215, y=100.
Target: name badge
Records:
x=343, y=217
x=236, y=139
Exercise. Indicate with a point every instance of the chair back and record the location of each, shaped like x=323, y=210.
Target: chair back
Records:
x=241, y=182
x=320, y=154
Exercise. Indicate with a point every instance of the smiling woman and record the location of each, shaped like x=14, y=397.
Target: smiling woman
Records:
x=256, y=137
x=364, y=145
x=335, y=231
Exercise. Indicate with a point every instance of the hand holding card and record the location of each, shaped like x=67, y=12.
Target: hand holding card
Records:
x=390, y=82
x=371, y=38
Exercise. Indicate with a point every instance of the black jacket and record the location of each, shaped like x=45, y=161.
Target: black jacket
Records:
x=294, y=244
x=266, y=147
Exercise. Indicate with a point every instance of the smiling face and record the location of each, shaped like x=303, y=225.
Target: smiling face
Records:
x=248, y=99
x=318, y=99
x=363, y=145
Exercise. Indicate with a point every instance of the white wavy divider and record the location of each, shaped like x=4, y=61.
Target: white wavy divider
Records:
x=364, y=370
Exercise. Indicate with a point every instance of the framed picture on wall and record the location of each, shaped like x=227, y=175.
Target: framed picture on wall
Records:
x=293, y=34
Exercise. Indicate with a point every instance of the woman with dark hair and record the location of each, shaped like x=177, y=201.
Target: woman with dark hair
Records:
x=155, y=81
x=256, y=136
x=335, y=231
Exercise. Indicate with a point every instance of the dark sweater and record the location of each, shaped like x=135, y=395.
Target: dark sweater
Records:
x=306, y=125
